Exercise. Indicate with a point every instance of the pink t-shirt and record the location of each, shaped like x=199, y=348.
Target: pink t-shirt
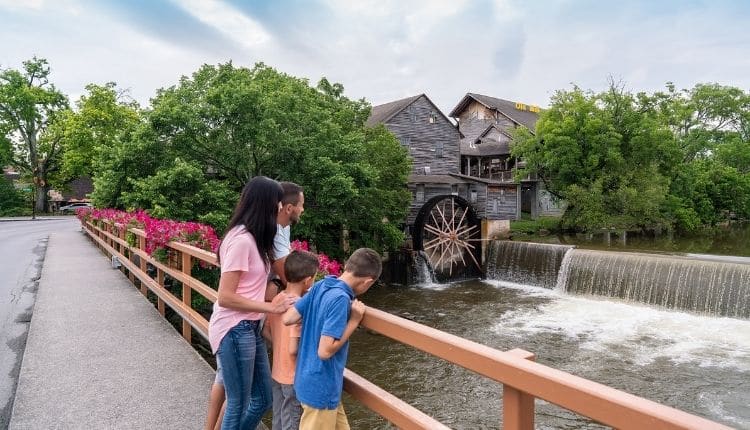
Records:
x=238, y=253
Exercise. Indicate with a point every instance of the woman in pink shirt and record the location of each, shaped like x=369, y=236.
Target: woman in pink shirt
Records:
x=234, y=329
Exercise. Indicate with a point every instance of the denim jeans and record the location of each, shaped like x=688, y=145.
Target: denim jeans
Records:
x=247, y=376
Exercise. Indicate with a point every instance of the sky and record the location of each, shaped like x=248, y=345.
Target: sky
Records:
x=384, y=50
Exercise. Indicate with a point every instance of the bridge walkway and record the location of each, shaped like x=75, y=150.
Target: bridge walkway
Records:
x=100, y=356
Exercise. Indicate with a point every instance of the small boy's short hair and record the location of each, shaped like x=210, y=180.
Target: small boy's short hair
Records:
x=299, y=265
x=364, y=263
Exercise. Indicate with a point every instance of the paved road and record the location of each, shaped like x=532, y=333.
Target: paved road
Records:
x=22, y=248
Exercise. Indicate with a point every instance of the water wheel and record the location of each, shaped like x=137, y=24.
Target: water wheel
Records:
x=448, y=231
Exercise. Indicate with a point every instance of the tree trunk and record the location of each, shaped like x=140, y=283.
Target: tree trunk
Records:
x=40, y=200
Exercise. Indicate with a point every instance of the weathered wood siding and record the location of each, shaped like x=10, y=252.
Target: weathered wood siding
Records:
x=463, y=190
x=476, y=118
x=547, y=204
x=430, y=191
x=502, y=202
x=481, y=200
x=413, y=128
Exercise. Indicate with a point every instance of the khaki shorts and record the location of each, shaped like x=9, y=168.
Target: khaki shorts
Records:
x=323, y=419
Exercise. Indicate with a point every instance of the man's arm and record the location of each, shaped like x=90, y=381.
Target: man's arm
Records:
x=328, y=346
x=278, y=268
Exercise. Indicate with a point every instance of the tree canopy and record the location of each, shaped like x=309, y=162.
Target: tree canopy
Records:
x=668, y=159
x=29, y=104
x=205, y=137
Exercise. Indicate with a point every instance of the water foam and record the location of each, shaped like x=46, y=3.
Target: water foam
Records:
x=638, y=333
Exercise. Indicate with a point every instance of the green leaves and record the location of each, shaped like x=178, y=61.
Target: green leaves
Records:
x=676, y=158
x=204, y=138
x=29, y=104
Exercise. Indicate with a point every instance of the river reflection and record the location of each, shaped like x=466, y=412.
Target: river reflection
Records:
x=669, y=357
x=727, y=240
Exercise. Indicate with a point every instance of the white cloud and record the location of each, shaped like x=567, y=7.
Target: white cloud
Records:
x=22, y=4
x=226, y=20
x=385, y=50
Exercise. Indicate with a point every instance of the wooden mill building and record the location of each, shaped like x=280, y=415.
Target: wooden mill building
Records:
x=463, y=171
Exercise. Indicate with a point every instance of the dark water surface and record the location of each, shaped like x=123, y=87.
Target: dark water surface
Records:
x=695, y=363
x=727, y=240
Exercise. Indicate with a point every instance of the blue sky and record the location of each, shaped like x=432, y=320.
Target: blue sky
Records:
x=387, y=49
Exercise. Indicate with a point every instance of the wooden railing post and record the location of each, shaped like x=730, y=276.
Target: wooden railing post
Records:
x=187, y=296
x=518, y=407
x=122, y=248
x=142, y=247
x=160, y=281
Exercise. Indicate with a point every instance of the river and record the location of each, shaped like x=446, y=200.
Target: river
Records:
x=700, y=364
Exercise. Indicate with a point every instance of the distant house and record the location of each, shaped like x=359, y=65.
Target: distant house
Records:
x=78, y=190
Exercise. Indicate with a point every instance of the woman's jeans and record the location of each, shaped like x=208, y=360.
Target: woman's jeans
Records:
x=247, y=376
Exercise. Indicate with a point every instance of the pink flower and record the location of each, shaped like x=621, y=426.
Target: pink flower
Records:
x=158, y=232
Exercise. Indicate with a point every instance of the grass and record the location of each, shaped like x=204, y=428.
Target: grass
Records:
x=526, y=225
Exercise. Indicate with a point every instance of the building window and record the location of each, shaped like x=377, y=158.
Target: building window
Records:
x=473, y=195
x=433, y=117
x=439, y=150
x=406, y=142
x=412, y=114
x=454, y=189
x=494, y=205
x=420, y=193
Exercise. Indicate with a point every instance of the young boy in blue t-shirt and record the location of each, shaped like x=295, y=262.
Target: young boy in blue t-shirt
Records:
x=329, y=315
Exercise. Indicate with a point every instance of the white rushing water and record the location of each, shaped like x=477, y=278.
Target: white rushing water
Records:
x=633, y=332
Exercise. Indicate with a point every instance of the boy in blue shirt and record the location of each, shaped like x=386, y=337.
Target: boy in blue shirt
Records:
x=330, y=314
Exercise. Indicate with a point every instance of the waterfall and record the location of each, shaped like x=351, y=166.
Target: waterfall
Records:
x=564, y=272
x=423, y=273
x=525, y=262
x=713, y=285
x=704, y=286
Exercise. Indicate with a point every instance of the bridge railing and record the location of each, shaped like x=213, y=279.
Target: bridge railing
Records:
x=523, y=379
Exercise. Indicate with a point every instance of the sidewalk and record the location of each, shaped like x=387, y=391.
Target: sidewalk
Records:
x=99, y=356
x=38, y=218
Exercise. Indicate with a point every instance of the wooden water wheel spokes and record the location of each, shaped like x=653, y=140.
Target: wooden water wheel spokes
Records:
x=447, y=226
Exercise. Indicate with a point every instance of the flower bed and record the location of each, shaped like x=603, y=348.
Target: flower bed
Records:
x=159, y=232
x=326, y=265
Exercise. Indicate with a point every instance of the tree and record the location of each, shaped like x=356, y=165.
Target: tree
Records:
x=226, y=124
x=605, y=155
x=28, y=105
x=711, y=124
x=675, y=158
x=182, y=192
x=701, y=118
x=11, y=200
x=102, y=118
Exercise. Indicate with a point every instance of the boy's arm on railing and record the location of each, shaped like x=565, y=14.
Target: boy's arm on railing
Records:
x=328, y=345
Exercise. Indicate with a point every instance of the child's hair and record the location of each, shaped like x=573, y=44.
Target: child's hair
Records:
x=299, y=265
x=364, y=263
